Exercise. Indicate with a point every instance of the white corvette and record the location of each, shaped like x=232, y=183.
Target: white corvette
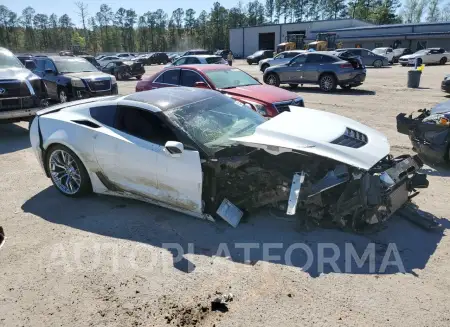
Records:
x=204, y=154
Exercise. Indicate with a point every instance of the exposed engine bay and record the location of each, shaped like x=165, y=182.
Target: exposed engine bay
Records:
x=327, y=191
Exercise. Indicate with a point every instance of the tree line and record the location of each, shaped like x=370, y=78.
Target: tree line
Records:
x=126, y=30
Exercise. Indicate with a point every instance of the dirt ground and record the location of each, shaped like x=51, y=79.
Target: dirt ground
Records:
x=101, y=261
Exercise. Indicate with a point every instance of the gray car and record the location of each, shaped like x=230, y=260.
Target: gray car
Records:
x=368, y=58
x=281, y=58
x=322, y=68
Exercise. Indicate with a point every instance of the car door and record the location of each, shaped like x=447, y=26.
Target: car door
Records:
x=433, y=57
x=312, y=68
x=169, y=78
x=190, y=77
x=142, y=166
x=293, y=72
x=51, y=78
x=109, y=68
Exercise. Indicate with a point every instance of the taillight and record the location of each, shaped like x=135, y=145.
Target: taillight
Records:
x=347, y=65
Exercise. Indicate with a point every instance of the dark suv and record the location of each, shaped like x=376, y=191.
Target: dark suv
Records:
x=153, y=58
x=73, y=78
x=259, y=55
x=22, y=93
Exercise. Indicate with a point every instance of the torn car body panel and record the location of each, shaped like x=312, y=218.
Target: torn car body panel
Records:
x=429, y=131
x=321, y=133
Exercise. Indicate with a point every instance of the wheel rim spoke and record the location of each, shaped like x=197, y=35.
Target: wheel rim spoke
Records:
x=64, y=172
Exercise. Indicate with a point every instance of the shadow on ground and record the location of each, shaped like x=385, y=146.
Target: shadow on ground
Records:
x=13, y=138
x=144, y=223
x=338, y=91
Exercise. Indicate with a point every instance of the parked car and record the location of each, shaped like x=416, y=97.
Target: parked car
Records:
x=223, y=53
x=173, y=56
x=199, y=59
x=429, y=131
x=399, y=52
x=207, y=156
x=368, y=58
x=266, y=100
x=107, y=59
x=326, y=70
x=22, y=93
x=445, y=85
x=259, y=55
x=123, y=69
x=125, y=56
x=385, y=52
x=92, y=60
x=426, y=56
x=24, y=57
x=281, y=58
x=73, y=78
x=159, y=58
x=191, y=53
x=99, y=57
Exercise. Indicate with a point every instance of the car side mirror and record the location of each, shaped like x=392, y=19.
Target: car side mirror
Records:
x=29, y=64
x=50, y=72
x=201, y=85
x=174, y=148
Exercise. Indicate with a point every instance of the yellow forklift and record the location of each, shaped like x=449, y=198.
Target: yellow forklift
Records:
x=293, y=42
x=325, y=42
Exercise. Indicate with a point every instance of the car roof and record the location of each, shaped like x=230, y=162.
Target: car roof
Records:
x=171, y=97
x=202, y=56
x=200, y=67
x=63, y=58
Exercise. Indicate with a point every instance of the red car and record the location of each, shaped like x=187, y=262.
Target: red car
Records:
x=267, y=100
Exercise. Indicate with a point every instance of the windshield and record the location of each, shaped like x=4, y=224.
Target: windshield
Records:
x=258, y=53
x=213, y=121
x=229, y=78
x=8, y=60
x=379, y=50
x=75, y=65
x=398, y=51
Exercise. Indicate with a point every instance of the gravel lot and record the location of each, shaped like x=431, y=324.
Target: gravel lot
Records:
x=100, y=261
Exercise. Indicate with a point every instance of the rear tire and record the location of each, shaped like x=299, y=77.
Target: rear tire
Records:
x=327, y=83
x=272, y=79
x=69, y=176
x=294, y=86
x=443, y=61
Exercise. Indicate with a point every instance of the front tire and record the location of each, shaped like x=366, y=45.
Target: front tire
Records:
x=272, y=79
x=327, y=83
x=377, y=64
x=67, y=172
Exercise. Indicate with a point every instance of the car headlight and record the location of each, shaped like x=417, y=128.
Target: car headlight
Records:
x=438, y=119
x=113, y=80
x=258, y=107
x=76, y=82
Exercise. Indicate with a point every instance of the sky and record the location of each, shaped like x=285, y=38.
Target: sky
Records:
x=140, y=6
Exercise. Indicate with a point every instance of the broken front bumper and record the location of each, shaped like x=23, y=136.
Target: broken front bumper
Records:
x=430, y=140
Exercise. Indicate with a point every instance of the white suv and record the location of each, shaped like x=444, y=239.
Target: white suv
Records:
x=386, y=52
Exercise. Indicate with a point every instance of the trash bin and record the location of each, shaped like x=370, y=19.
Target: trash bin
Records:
x=414, y=78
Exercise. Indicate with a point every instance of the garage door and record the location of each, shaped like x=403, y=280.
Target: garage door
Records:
x=266, y=41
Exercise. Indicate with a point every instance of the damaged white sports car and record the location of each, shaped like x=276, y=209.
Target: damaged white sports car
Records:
x=204, y=154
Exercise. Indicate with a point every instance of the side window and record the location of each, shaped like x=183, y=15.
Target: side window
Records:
x=105, y=114
x=290, y=55
x=441, y=50
x=40, y=65
x=389, y=50
x=143, y=124
x=356, y=52
x=110, y=65
x=49, y=65
x=189, y=78
x=192, y=60
x=299, y=60
x=313, y=58
x=326, y=59
x=282, y=56
x=180, y=61
x=169, y=77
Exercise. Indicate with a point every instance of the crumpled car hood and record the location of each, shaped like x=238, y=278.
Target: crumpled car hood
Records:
x=312, y=131
x=16, y=73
